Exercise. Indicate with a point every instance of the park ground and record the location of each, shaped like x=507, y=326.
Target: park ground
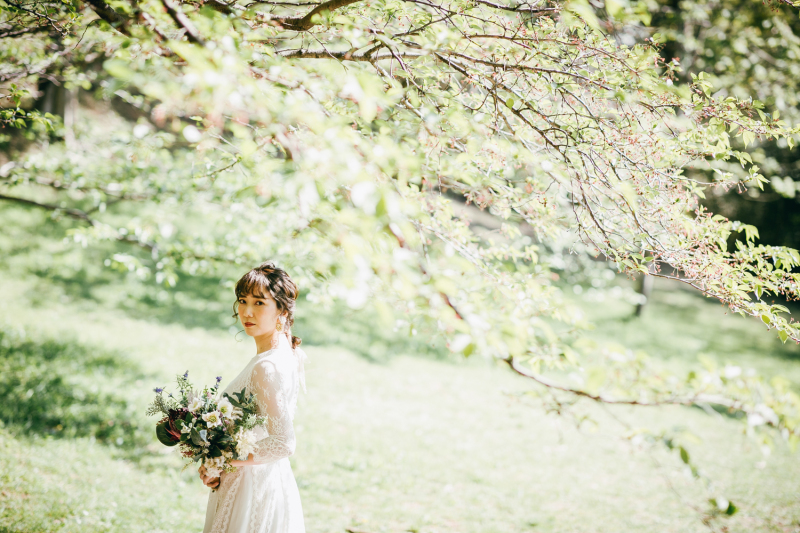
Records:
x=392, y=444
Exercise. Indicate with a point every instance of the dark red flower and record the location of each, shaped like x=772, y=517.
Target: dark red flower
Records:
x=174, y=414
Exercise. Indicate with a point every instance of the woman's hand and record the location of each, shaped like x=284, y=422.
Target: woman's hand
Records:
x=208, y=481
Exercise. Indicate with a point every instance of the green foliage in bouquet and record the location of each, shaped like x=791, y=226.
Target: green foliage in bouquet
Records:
x=205, y=424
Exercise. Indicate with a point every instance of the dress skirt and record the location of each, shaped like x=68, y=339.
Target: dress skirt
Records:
x=256, y=499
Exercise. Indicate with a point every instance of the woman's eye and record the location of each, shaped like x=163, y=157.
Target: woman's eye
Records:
x=259, y=303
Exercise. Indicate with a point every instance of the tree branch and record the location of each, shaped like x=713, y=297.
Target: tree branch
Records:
x=222, y=7
x=304, y=23
x=116, y=20
x=74, y=213
x=183, y=21
x=517, y=9
x=673, y=400
x=23, y=31
x=345, y=55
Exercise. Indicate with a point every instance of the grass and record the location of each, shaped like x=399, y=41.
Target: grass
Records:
x=401, y=444
x=678, y=326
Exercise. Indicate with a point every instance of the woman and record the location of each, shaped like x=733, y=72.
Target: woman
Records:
x=261, y=495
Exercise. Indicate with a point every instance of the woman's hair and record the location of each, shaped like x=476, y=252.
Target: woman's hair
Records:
x=265, y=279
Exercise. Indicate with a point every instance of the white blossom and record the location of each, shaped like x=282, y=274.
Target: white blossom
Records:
x=213, y=419
x=227, y=410
x=246, y=442
x=195, y=405
x=214, y=466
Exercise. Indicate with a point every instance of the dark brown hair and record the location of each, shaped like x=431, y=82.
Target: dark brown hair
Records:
x=265, y=279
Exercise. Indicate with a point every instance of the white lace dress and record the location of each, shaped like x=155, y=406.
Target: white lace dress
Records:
x=264, y=498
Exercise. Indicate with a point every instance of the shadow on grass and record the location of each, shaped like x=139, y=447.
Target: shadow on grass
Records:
x=67, y=390
x=201, y=302
x=363, y=333
x=194, y=302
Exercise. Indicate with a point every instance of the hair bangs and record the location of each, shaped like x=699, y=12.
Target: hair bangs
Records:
x=255, y=284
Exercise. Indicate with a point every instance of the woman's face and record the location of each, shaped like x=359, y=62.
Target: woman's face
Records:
x=259, y=316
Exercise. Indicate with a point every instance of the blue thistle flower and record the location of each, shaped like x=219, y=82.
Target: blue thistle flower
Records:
x=186, y=375
x=158, y=390
x=219, y=378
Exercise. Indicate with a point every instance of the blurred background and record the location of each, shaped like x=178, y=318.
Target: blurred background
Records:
x=395, y=434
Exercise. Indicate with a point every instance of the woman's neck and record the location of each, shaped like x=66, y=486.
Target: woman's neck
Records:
x=264, y=342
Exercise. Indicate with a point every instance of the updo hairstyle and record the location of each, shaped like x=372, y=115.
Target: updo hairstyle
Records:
x=265, y=279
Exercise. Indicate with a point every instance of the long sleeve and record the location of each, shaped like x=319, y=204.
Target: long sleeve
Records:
x=271, y=388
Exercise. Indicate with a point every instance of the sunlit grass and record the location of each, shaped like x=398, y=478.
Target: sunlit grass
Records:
x=410, y=444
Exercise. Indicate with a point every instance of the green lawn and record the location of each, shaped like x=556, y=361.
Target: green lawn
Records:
x=409, y=444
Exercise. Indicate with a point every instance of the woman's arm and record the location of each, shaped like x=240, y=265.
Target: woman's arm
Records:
x=268, y=384
x=250, y=461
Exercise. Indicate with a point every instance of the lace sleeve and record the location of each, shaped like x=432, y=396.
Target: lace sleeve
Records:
x=268, y=386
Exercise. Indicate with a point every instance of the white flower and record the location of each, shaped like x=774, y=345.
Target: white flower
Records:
x=195, y=405
x=246, y=442
x=227, y=410
x=214, y=466
x=213, y=419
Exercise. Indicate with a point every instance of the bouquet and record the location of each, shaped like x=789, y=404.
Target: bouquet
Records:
x=208, y=427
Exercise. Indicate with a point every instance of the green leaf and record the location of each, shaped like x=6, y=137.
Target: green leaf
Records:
x=748, y=137
x=164, y=437
x=783, y=335
x=766, y=319
x=118, y=68
x=195, y=436
x=234, y=401
x=684, y=455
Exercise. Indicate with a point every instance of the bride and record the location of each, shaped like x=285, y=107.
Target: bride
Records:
x=260, y=495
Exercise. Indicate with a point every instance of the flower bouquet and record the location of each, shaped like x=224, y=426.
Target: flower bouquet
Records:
x=208, y=427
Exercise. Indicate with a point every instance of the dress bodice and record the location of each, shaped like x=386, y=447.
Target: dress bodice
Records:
x=274, y=376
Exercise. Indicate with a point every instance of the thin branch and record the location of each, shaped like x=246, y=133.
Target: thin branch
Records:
x=672, y=400
x=116, y=20
x=304, y=23
x=345, y=55
x=518, y=9
x=71, y=212
x=183, y=21
x=23, y=31
x=222, y=7
x=293, y=4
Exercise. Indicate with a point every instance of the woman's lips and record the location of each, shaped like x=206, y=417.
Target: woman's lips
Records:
x=248, y=324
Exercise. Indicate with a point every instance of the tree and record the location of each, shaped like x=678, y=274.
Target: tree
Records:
x=333, y=136
x=749, y=50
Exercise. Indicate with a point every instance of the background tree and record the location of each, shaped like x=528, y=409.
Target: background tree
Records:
x=751, y=51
